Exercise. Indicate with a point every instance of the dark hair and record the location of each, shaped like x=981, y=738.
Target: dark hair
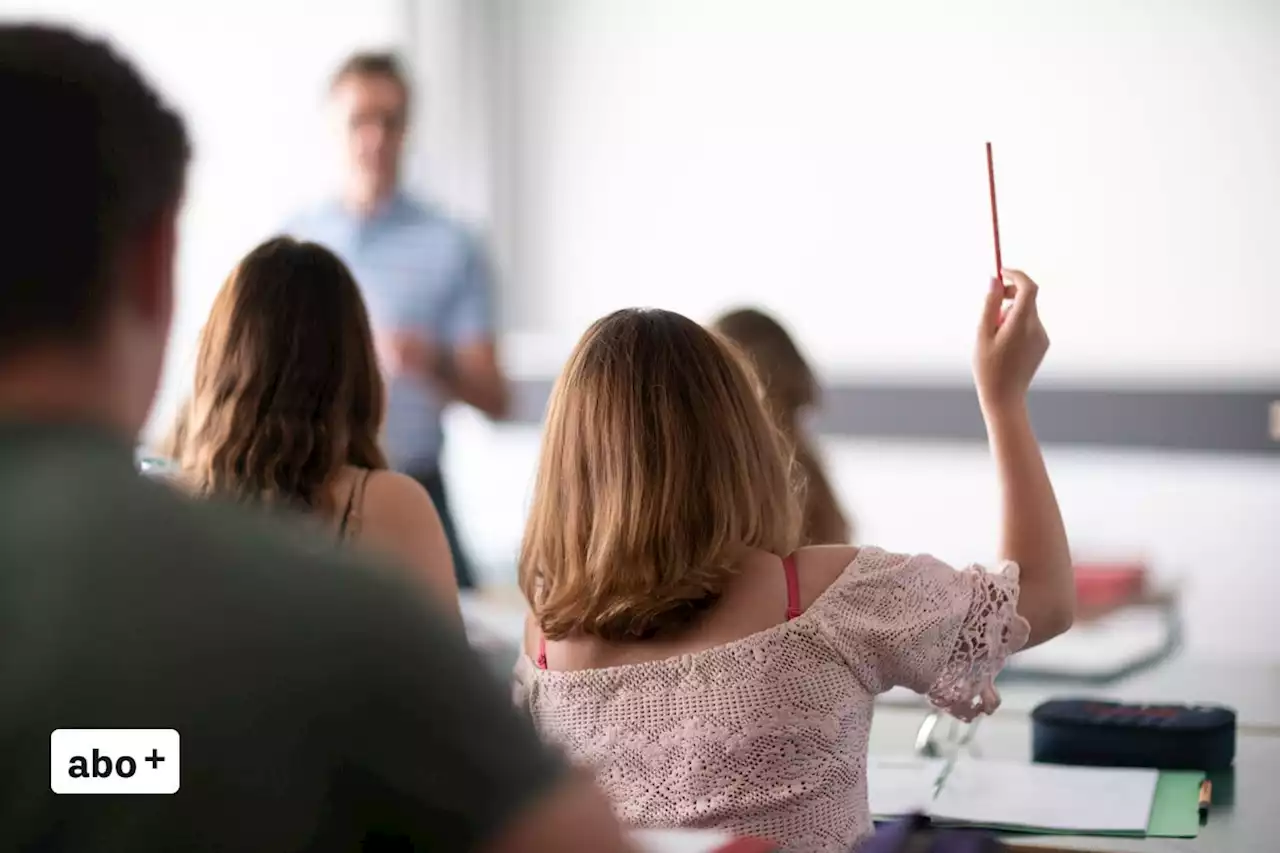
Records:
x=790, y=387
x=90, y=156
x=789, y=383
x=373, y=64
x=287, y=387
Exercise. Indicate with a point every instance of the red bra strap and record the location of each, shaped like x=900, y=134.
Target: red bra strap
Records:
x=793, y=586
x=542, y=652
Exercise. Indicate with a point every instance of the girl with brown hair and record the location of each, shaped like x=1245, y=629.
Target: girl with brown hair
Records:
x=790, y=389
x=682, y=643
x=288, y=404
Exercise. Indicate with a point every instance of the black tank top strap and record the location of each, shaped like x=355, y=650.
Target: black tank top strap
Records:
x=354, y=498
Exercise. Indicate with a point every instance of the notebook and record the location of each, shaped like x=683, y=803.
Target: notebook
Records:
x=1037, y=798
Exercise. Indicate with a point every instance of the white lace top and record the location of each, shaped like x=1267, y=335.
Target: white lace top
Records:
x=766, y=736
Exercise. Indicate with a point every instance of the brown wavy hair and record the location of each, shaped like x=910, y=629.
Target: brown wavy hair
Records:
x=660, y=471
x=790, y=387
x=287, y=387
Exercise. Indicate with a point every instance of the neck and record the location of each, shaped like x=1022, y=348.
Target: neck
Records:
x=56, y=386
x=364, y=199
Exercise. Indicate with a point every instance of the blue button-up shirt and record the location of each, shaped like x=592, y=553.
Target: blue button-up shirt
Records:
x=419, y=271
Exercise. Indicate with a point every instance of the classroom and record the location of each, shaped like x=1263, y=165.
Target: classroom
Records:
x=595, y=270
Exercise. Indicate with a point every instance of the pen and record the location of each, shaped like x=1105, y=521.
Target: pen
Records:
x=995, y=218
x=1206, y=797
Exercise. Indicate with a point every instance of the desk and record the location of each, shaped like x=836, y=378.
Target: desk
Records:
x=1253, y=690
x=1250, y=823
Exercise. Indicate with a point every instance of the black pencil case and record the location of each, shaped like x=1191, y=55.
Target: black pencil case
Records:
x=1113, y=734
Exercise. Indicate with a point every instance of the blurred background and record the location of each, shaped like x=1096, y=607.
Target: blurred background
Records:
x=824, y=159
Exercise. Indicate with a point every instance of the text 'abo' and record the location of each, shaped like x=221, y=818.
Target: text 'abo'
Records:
x=114, y=761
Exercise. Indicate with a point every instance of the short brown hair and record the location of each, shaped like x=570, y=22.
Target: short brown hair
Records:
x=373, y=64
x=660, y=470
x=287, y=387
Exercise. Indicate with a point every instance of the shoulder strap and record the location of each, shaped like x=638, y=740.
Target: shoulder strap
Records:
x=793, y=586
x=364, y=484
x=356, y=488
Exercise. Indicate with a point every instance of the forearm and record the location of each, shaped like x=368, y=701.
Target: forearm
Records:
x=1033, y=533
x=467, y=373
x=488, y=394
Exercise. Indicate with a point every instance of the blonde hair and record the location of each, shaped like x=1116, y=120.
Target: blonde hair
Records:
x=790, y=387
x=660, y=470
x=287, y=387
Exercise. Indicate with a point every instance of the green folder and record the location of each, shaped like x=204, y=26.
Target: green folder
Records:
x=1176, y=810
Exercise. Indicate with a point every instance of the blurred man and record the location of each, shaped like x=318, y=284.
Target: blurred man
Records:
x=319, y=705
x=425, y=278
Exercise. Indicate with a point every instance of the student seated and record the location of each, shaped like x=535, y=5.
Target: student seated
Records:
x=790, y=390
x=288, y=404
x=680, y=644
x=322, y=705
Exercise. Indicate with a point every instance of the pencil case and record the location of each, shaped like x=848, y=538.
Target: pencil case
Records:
x=1114, y=734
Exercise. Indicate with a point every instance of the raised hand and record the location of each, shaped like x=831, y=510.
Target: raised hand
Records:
x=1011, y=342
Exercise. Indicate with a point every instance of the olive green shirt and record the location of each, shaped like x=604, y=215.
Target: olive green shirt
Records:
x=321, y=702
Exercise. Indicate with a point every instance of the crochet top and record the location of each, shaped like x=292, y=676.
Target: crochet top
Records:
x=766, y=736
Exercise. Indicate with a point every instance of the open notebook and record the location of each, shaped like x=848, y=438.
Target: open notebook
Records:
x=1038, y=798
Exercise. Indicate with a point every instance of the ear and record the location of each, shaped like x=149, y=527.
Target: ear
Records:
x=151, y=285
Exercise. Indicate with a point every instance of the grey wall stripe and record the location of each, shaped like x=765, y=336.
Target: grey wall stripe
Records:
x=1204, y=420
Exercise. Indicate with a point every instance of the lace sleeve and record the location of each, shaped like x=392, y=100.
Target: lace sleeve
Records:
x=916, y=622
x=990, y=631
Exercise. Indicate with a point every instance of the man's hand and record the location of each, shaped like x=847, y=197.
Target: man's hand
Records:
x=409, y=354
x=468, y=373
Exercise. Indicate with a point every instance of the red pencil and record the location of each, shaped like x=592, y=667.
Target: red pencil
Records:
x=995, y=218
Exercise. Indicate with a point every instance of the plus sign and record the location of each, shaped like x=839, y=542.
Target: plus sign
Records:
x=155, y=758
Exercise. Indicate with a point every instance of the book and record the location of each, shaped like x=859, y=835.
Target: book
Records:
x=1036, y=798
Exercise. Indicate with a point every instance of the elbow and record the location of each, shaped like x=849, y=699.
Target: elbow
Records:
x=1065, y=615
x=1060, y=621
x=1048, y=616
x=1055, y=620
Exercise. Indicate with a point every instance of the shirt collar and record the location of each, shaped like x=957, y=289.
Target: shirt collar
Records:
x=390, y=209
x=84, y=434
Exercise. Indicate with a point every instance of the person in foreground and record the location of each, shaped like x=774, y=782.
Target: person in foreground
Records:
x=288, y=406
x=790, y=390
x=320, y=702
x=712, y=673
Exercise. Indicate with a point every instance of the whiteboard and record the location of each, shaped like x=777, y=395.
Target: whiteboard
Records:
x=825, y=160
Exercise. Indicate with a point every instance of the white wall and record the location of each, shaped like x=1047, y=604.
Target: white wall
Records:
x=450, y=58
x=250, y=78
x=825, y=159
